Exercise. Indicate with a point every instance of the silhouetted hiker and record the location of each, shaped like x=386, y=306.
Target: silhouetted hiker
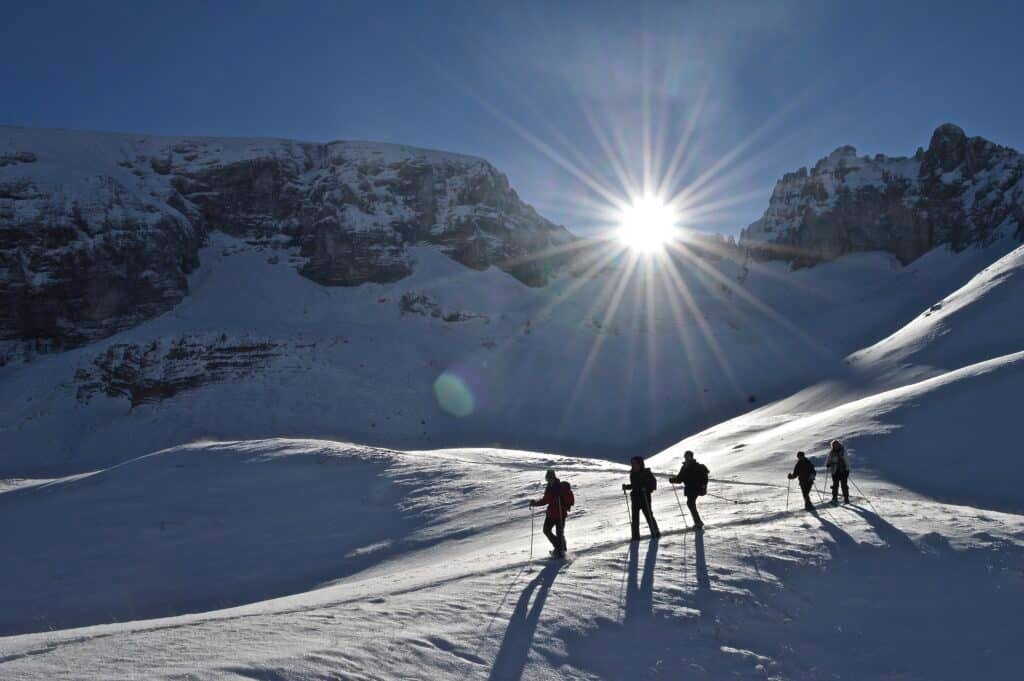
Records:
x=641, y=483
x=840, y=470
x=559, y=499
x=805, y=473
x=694, y=478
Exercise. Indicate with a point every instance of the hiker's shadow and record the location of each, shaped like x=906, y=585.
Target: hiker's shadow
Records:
x=640, y=595
x=839, y=536
x=885, y=530
x=515, y=646
x=701, y=567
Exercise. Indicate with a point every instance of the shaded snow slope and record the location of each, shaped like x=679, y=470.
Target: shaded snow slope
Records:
x=450, y=356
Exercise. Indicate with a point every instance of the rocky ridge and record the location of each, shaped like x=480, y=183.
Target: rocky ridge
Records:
x=98, y=231
x=959, y=191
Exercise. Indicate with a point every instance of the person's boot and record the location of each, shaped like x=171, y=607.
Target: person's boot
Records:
x=835, y=501
x=808, y=506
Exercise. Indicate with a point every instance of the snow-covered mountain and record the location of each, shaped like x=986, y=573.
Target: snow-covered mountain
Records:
x=168, y=516
x=254, y=341
x=100, y=230
x=959, y=191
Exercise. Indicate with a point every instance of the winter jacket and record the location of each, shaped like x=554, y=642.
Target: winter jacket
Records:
x=804, y=471
x=693, y=476
x=641, y=482
x=836, y=463
x=553, y=498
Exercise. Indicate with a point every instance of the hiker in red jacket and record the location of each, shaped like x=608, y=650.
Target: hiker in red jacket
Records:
x=558, y=497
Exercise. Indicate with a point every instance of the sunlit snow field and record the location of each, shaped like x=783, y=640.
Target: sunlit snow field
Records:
x=245, y=554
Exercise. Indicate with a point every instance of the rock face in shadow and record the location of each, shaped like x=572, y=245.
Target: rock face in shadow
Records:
x=960, y=191
x=98, y=231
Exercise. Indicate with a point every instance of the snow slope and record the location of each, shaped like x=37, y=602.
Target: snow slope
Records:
x=187, y=531
x=451, y=356
x=302, y=559
x=894, y=588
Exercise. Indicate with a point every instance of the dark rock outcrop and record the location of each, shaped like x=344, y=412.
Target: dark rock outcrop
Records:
x=98, y=232
x=160, y=370
x=960, y=191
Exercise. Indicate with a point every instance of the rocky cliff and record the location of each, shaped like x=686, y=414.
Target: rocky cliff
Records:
x=959, y=191
x=98, y=231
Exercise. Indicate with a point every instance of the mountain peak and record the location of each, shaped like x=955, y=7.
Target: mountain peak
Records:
x=962, y=190
x=948, y=146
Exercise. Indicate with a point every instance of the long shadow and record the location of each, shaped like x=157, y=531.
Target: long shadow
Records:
x=515, y=646
x=701, y=567
x=885, y=530
x=640, y=596
x=839, y=536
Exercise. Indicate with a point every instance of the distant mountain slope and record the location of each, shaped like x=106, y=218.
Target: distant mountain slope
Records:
x=606, y=365
x=99, y=230
x=981, y=320
x=932, y=404
x=961, y=190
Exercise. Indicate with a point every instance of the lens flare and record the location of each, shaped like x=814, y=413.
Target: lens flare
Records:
x=453, y=395
x=648, y=224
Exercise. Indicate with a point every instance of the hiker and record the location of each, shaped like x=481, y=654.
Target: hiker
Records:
x=839, y=468
x=804, y=472
x=641, y=483
x=694, y=478
x=558, y=497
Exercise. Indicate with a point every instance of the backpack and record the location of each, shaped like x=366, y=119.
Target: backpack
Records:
x=567, y=497
x=702, y=481
x=652, y=482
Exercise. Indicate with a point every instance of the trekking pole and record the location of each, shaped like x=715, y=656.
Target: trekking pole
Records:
x=719, y=496
x=532, y=522
x=680, y=504
x=789, y=486
x=629, y=511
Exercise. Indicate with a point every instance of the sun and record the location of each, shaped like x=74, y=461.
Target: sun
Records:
x=648, y=224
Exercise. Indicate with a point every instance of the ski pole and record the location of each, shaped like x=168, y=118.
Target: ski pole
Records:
x=789, y=486
x=532, y=522
x=629, y=511
x=719, y=496
x=680, y=504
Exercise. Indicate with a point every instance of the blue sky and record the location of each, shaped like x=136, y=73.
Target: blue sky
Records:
x=569, y=100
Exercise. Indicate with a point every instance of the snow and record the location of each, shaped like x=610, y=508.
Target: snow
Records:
x=333, y=513
x=538, y=362
x=283, y=558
